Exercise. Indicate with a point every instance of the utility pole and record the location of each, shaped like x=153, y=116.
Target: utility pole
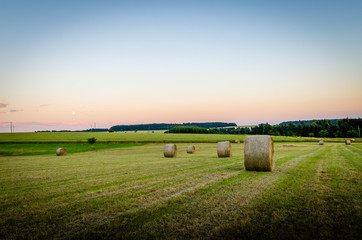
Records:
x=359, y=131
x=11, y=128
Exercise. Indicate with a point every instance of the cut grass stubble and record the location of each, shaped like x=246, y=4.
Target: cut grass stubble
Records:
x=137, y=193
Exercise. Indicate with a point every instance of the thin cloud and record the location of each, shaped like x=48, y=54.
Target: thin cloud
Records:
x=72, y=124
x=4, y=124
x=37, y=108
x=15, y=110
x=44, y=105
x=3, y=105
x=41, y=123
x=62, y=124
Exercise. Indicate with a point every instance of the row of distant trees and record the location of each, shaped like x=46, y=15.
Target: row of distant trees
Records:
x=167, y=126
x=87, y=130
x=311, y=128
x=182, y=129
x=315, y=128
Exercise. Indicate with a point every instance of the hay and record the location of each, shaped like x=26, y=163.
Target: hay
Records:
x=348, y=142
x=190, y=149
x=224, y=149
x=321, y=142
x=237, y=141
x=170, y=150
x=258, y=153
x=61, y=152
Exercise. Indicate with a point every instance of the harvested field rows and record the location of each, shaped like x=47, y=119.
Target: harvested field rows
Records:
x=314, y=192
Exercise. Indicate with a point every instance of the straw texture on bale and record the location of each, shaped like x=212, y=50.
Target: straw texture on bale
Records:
x=321, y=142
x=348, y=142
x=224, y=149
x=190, y=149
x=170, y=150
x=61, y=152
x=237, y=141
x=259, y=153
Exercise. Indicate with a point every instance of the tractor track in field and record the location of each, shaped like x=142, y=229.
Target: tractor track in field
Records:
x=352, y=161
x=356, y=148
x=353, y=152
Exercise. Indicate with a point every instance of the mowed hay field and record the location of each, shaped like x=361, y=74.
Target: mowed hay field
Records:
x=134, y=192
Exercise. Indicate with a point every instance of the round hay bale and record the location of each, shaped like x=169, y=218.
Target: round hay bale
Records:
x=61, y=152
x=348, y=142
x=321, y=142
x=258, y=153
x=237, y=141
x=224, y=149
x=190, y=149
x=170, y=150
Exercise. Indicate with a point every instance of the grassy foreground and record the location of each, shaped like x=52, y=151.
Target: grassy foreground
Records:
x=134, y=192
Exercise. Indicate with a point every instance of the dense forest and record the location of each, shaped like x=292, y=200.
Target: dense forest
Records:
x=182, y=129
x=167, y=126
x=311, y=128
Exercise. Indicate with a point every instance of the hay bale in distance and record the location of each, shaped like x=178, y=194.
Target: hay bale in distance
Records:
x=61, y=152
x=348, y=142
x=224, y=149
x=190, y=149
x=170, y=150
x=237, y=141
x=259, y=153
x=321, y=142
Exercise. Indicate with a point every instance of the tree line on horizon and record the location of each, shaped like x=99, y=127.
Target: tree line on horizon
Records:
x=310, y=128
x=167, y=126
x=347, y=127
x=152, y=127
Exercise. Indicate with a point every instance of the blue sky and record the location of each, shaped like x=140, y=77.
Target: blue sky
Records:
x=66, y=64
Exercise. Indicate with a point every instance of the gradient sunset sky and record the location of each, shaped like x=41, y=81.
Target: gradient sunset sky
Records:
x=69, y=64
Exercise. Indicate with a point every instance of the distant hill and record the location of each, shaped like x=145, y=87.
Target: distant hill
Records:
x=167, y=126
x=309, y=121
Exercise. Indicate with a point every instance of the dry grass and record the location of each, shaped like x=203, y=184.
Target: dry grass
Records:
x=170, y=150
x=61, y=152
x=259, y=153
x=224, y=149
x=190, y=149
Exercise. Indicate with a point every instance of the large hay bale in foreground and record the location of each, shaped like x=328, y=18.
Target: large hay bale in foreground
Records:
x=321, y=142
x=259, y=153
x=61, y=152
x=170, y=150
x=237, y=141
x=224, y=149
x=348, y=142
x=190, y=149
